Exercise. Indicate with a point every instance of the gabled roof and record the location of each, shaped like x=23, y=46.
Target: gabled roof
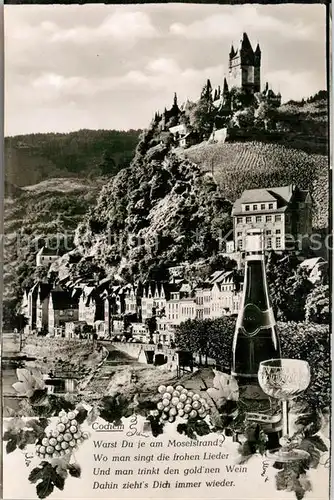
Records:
x=281, y=194
x=44, y=290
x=62, y=300
x=48, y=251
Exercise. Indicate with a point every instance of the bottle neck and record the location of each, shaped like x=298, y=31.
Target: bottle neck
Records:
x=255, y=284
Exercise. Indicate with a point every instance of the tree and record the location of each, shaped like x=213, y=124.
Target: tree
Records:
x=288, y=286
x=208, y=338
x=263, y=114
x=244, y=118
x=317, y=305
x=151, y=324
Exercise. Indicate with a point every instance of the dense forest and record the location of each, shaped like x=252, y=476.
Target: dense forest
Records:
x=32, y=158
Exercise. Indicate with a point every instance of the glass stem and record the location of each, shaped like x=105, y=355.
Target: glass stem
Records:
x=285, y=408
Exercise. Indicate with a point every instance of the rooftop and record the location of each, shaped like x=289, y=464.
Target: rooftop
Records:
x=281, y=194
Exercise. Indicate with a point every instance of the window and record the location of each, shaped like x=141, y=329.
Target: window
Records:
x=247, y=208
x=61, y=313
x=277, y=218
x=263, y=206
x=271, y=206
x=278, y=243
x=239, y=220
x=240, y=244
x=248, y=220
x=239, y=233
x=254, y=207
x=258, y=218
x=278, y=231
x=268, y=218
x=269, y=244
x=268, y=231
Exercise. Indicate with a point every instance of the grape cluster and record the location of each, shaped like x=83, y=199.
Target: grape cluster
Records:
x=181, y=402
x=63, y=439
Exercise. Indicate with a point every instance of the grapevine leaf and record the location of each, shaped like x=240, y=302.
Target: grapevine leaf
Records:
x=318, y=443
x=44, y=488
x=58, y=480
x=10, y=434
x=36, y=474
x=24, y=375
x=300, y=493
x=81, y=416
x=38, y=426
x=39, y=397
x=74, y=470
x=93, y=414
x=58, y=403
x=11, y=445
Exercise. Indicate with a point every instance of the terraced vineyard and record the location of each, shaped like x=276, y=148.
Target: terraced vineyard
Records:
x=237, y=166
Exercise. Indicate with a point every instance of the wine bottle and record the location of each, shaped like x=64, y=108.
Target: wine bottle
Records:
x=255, y=340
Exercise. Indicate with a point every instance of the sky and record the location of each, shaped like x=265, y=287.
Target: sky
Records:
x=69, y=67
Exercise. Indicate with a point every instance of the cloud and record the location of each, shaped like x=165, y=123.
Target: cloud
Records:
x=121, y=25
x=158, y=74
x=249, y=18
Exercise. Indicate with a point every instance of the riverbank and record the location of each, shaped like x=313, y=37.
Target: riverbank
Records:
x=58, y=357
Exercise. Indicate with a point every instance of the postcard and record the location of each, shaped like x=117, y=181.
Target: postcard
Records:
x=167, y=240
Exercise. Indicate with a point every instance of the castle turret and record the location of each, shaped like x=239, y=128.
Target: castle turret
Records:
x=225, y=87
x=257, y=69
x=232, y=52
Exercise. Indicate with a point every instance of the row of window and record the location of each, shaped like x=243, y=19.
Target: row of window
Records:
x=269, y=243
x=261, y=206
x=268, y=232
x=259, y=218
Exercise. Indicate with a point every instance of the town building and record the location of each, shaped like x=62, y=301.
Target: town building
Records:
x=283, y=213
x=153, y=300
x=46, y=256
x=131, y=299
x=63, y=308
x=203, y=300
x=225, y=297
x=42, y=307
x=91, y=305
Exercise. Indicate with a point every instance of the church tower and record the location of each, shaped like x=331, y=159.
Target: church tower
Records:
x=244, y=66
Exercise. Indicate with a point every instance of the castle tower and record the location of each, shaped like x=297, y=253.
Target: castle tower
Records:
x=244, y=66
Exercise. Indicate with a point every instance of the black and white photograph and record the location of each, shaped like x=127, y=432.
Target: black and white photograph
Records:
x=167, y=252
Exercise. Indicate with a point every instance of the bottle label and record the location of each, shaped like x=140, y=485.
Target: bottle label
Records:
x=254, y=320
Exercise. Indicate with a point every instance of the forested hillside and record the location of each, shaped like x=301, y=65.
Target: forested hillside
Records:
x=51, y=209
x=32, y=158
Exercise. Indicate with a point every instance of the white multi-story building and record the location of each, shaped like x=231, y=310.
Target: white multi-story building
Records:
x=225, y=298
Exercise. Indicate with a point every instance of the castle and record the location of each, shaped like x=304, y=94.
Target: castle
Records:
x=241, y=89
x=245, y=66
x=244, y=74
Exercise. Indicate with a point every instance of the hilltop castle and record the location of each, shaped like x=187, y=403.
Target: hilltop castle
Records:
x=245, y=66
x=241, y=89
x=245, y=75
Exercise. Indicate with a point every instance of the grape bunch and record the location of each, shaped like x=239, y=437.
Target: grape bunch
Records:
x=63, y=439
x=181, y=402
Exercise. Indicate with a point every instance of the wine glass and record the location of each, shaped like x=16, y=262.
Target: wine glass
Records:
x=285, y=379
